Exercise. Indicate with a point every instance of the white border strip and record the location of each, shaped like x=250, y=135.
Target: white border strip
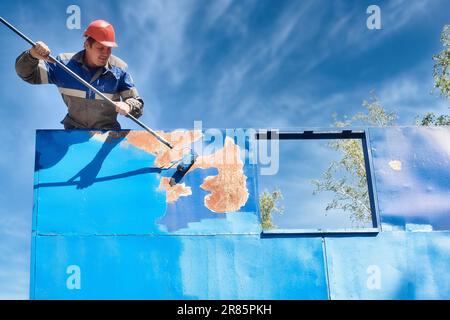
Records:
x=72, y=92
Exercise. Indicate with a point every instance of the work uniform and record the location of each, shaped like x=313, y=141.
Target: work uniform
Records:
x=86, y=109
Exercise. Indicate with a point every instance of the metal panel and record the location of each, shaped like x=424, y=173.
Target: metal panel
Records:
x=391, y=265
x=185, y=267
x=108, y=229
x=87, y=186
x=412, y=173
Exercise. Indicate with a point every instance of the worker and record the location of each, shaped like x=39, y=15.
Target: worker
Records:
x=96, y=65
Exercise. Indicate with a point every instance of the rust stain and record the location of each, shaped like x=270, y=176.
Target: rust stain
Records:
x=228, y=189
x=180, y=139
x=175, y=192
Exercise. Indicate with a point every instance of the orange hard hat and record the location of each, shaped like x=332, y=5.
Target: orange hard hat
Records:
x=101, y=31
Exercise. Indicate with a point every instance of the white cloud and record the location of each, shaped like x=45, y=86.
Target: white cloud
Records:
x=14, y=226
x=216, y=10
x=14, y=259
x=409, y=94
x=346, y=31
x=161, y=28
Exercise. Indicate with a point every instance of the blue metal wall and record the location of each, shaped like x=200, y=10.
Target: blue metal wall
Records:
x=102, y=229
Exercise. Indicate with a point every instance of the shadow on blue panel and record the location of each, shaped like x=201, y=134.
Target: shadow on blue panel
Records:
x=86, y=176
x=57, y=143
x=93, y=179
x=52, y=146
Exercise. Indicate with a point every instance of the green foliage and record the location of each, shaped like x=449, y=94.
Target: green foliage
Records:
x=441, y=75
x=346, y=178
x=441, y=70
x=374, y=115
x=430, y=119
x=268, y=204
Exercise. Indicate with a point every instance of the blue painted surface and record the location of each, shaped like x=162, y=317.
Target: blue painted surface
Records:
x=132, y=245
x=187, y=267
x=101, y=200
x=86, y=186
x=412, y=176
x=391, y=265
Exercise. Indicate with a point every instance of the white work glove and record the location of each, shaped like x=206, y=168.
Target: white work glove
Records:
x=123, y=108
x=40, y=51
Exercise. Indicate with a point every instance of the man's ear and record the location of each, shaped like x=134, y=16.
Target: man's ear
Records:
x=86, y=44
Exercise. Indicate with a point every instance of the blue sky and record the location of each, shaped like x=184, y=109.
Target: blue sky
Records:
x=231, y=64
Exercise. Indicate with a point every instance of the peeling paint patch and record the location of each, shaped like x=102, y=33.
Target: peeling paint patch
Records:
x=175, y=192
x=229, y=188
x=395, y=165
x=180, y=139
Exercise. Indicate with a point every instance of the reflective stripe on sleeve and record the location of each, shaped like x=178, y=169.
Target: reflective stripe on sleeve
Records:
x=111, y=96
x=43, y=71
x=72, y=92
x=131, y=93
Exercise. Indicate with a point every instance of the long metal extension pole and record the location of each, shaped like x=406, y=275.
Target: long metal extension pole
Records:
x=87, y=84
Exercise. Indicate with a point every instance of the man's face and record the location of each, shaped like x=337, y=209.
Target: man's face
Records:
x=97, y=55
